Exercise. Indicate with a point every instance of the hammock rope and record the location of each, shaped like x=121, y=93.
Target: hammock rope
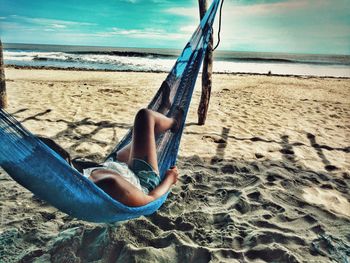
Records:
x=219, y=31
x=42, y=171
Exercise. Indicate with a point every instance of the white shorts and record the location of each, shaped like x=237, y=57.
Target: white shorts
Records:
x=120, y=168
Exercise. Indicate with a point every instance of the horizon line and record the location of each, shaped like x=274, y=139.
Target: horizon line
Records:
x=168, y=48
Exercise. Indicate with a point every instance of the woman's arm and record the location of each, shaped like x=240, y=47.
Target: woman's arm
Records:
x=170, y=179
x=126, y=193
x=140, y=198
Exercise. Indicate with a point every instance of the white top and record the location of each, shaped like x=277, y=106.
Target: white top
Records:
x=120, y=168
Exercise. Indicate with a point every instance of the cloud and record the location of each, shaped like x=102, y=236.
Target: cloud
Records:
x=289, y=26
x=13, y=26
x=58, y=26
x=28, y=24
x=183, y=11
x=188, y=29
x=48, y=21
x=139, y=1
x=160, y=1
x=247, y=9
x=247, y=25
x=269, y=8
x=147, y=33
x=130, y=1
x=23, y=24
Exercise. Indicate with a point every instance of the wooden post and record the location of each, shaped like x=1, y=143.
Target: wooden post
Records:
x=206, y=73
x=3, y=97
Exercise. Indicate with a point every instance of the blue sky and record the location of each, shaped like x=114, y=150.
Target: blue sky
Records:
x=295, y=26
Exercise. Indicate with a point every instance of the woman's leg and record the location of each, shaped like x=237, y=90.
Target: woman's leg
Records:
x=123, y=154
x=161, y=124
x=147, y=125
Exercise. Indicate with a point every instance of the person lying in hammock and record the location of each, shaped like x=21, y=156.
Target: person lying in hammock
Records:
x=133, y=179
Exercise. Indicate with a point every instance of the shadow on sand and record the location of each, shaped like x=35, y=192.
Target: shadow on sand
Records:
x=221, y=210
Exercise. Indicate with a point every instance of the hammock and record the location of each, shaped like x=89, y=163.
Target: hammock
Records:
x=38, y=168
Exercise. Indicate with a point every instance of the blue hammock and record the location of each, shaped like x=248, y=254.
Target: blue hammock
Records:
x=38, y=168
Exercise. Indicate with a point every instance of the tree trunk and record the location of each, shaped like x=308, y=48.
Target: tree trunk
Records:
x=206, y=73
x=3, y=97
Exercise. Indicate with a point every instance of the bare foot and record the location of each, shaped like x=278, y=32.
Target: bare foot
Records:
x=165, y=103
x=178, y=118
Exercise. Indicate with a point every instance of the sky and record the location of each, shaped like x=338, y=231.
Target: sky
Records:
x=292, y=26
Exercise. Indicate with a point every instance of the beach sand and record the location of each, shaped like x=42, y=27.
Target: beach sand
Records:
x=265, y=180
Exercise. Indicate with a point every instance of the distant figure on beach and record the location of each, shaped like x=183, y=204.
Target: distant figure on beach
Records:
x=133, y=179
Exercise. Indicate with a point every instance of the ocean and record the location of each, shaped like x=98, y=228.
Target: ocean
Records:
x=161, y=60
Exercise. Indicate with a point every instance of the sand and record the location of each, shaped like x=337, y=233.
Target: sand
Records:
x=265, y=180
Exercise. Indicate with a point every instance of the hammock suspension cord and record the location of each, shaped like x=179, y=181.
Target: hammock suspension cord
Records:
x=219, y=31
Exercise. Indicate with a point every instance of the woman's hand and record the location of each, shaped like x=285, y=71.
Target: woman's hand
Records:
x=170, y=178
x=172, y=174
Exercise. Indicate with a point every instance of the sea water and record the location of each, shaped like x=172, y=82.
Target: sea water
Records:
x=161, y=60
